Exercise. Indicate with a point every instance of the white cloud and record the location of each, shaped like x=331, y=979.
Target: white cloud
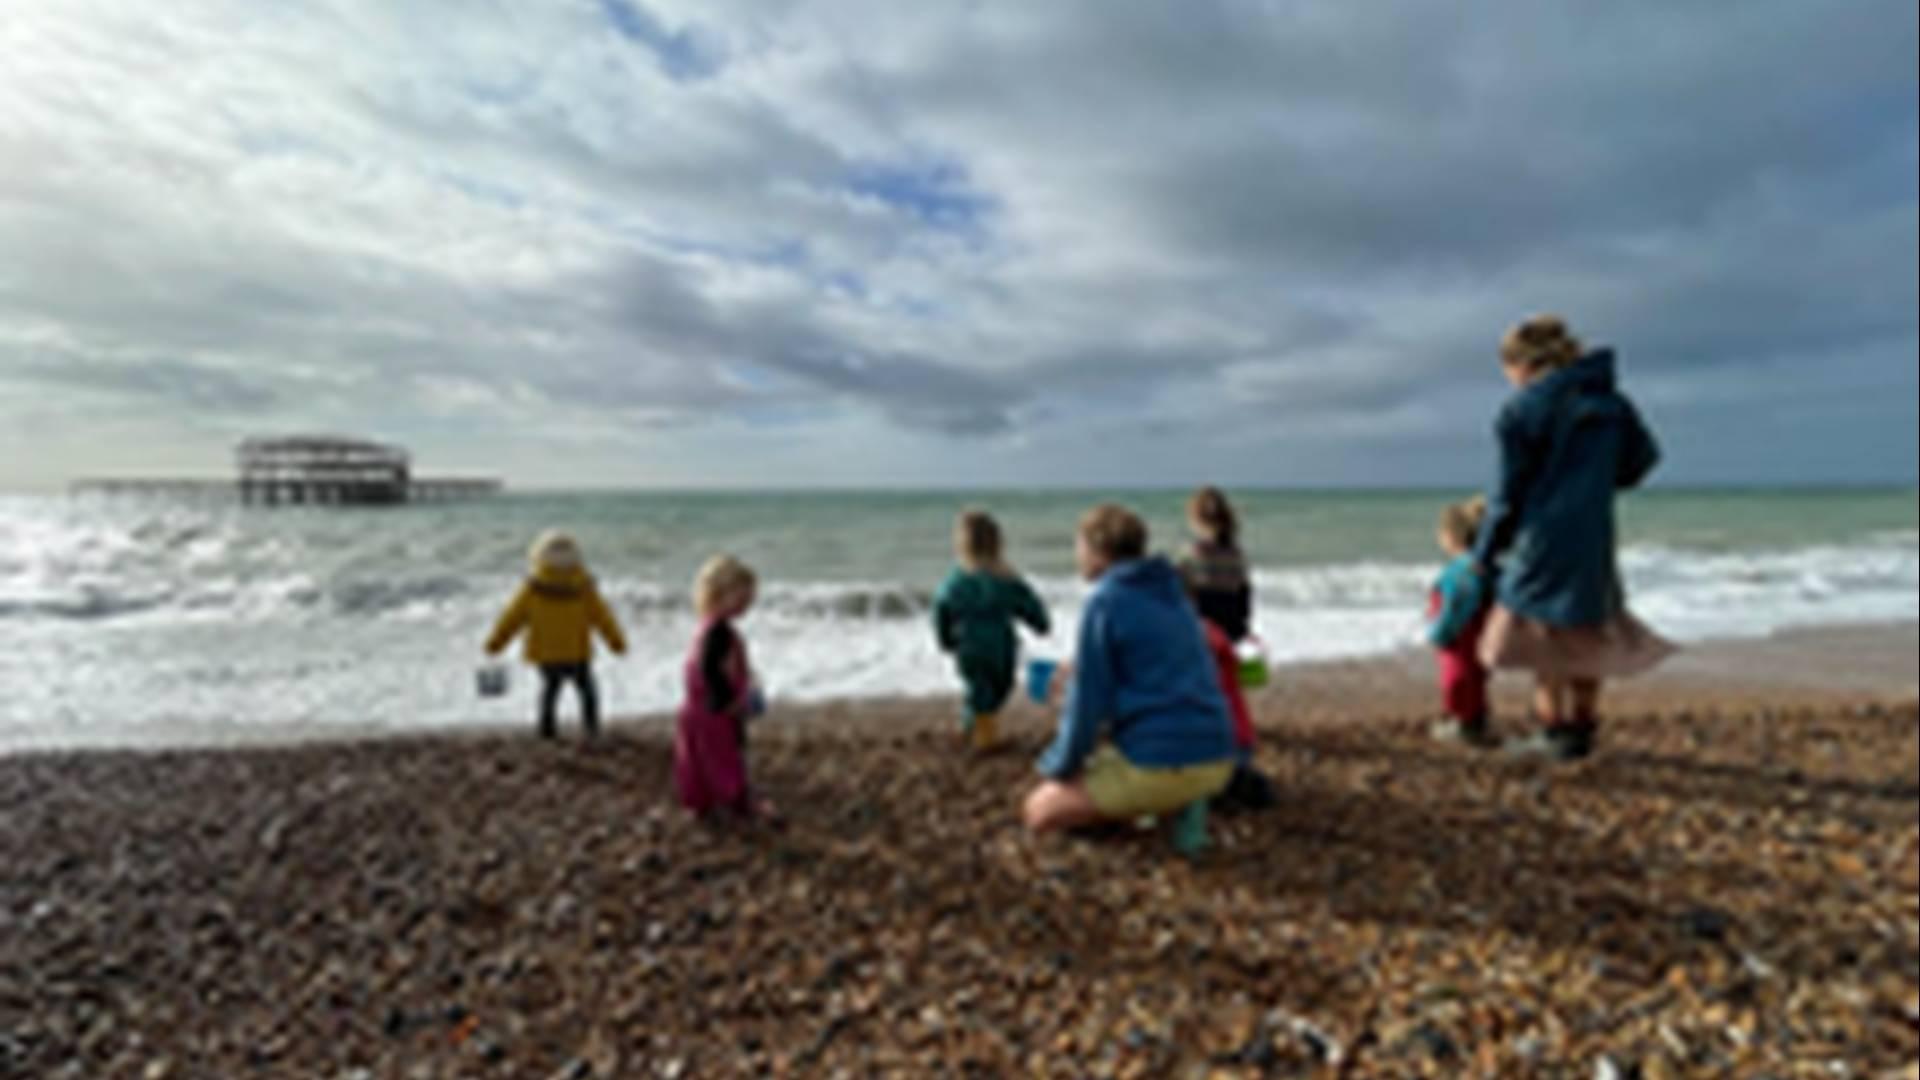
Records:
x=984, y=240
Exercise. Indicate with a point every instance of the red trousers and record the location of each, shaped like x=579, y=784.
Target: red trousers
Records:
x=1463, y=682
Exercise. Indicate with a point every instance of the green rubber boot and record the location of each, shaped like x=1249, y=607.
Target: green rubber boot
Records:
x=1190, y=829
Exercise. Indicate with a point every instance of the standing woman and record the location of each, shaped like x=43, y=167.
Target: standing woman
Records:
x=1568, y=440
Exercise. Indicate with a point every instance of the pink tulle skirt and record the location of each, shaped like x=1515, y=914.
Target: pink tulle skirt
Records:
x=1620, y=647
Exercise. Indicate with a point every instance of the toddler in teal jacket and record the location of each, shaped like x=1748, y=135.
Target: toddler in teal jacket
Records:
x=973, y=618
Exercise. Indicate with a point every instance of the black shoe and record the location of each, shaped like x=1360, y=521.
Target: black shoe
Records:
x=1249, y=789
x=1474, y=733
x=1562, y=743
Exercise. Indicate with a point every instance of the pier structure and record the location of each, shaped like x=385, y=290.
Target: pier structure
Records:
x=312, y=470
x=321, y=469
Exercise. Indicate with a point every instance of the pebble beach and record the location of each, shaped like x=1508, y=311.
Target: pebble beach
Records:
x=1728, y=888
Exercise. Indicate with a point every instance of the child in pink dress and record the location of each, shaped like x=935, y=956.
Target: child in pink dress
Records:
x=709, y=748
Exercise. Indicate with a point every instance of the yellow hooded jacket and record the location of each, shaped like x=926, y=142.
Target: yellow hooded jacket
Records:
x=559, y=607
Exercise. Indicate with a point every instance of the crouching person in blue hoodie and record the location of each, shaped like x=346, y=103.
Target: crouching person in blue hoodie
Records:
x=1145, y=728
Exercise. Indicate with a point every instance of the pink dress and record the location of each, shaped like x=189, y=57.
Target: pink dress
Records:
x=709, y=749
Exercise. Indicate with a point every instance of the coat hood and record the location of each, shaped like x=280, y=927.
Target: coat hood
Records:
x=1589, y=390
x=1150, y=574
x=560, y=581
x=1583, y=391
x=1591, y=374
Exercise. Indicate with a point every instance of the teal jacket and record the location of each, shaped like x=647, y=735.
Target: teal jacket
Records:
x=1459, y=596
x=1568, y=441
x=974, y=612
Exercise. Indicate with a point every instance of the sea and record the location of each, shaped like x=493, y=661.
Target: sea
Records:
x=144, y=621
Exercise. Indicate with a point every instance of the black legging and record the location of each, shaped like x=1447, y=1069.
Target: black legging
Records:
x=581, y=676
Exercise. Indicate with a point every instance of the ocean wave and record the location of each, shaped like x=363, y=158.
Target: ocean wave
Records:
x=209, y=572
x=377, y=596
x=788, y=600
x=1360, y=585
x=1895, y=537
x=1823, y=568
x=83, y=605
x=301, y=617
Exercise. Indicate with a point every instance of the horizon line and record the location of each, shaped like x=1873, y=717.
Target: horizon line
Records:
x=511, y=489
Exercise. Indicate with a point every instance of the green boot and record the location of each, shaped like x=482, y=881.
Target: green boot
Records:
x=1190, y=829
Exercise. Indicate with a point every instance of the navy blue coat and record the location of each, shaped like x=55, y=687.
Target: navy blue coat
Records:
x=1142, y=676
x=1568, y=441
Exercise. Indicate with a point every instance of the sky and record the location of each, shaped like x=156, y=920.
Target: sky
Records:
x=632, y=243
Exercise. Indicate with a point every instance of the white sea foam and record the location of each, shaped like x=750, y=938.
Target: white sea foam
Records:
x=117, y=626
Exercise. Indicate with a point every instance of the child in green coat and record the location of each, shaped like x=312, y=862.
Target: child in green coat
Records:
x=973, y=617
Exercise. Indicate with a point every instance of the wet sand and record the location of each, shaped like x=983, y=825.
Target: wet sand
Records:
x=1730, y=887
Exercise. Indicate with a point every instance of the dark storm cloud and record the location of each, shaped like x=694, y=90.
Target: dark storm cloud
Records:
x=1236, y=224
x=917, y=392
x=1378, y=135
x=662, y=316
x=148, y=383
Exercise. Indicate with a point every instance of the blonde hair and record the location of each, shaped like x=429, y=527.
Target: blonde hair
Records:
x=1540, y=343
x=1114, y=532
x=977, y=541
x=555, y=550
x=1460, y=522
x=720, y=578
x=1209, y=508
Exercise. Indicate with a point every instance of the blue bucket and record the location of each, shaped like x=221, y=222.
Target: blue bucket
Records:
x=1040, y=678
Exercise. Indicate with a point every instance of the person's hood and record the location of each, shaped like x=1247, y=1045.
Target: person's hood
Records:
x=1591, y=374
x=560, y=581
x=1152, y=574
x=1584, y=391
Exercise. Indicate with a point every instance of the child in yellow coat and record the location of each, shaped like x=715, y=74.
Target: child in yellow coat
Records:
x=560, y=608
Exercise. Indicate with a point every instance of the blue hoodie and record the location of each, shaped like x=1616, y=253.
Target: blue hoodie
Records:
x=1143, y=676
x=1567, y=441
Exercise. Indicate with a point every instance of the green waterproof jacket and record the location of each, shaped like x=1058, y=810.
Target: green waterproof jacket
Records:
x=1568, y=441
x=974, y=611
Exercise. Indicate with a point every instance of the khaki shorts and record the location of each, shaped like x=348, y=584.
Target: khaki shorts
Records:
x=1121, y=789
